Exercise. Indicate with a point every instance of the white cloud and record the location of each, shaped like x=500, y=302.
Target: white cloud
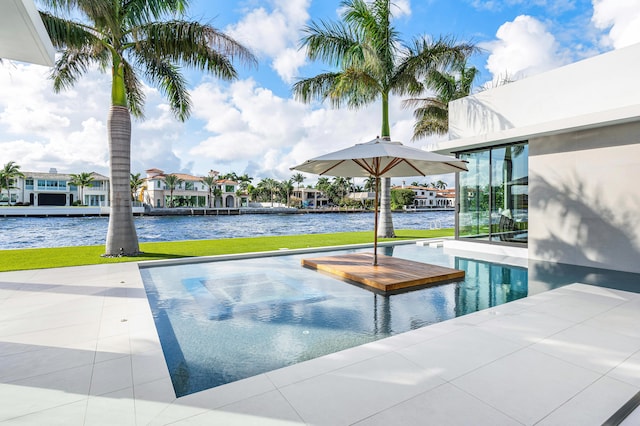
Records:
x=621, y=18
x=269, y=134
x=275, y=34
x=401, y=8
x=523, y=47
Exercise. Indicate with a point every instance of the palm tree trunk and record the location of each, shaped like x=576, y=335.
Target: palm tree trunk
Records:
x=121, y=234
x=385, y=227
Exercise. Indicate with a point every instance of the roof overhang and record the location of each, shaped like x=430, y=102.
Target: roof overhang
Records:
x=23, y=36
x=584, y=122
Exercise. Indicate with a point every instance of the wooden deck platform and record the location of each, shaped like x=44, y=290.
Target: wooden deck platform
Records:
x=391, y=275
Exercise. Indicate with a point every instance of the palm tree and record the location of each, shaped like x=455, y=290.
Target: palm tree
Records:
x=372, y=63
x=286, y=186
x=441, y=184
x=8, y=174
x=298, y=178
x=370, y=184
x=244, y=181
x=210, y=181
x=172, y=181
x=432, y=114
x=135, y=182
x=270, y=186
x=133, y=39
x=341, y=187
x=81, y=180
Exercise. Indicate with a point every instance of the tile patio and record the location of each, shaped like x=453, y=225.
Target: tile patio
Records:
x=78, y=346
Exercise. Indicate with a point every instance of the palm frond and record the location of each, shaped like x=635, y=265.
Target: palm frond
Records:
x=425, y=54
x=331, y=42
x=68, y=33
x=135, y=94
x=171, y=83
x=194, y=45
x=315, y=88
x=355, y=87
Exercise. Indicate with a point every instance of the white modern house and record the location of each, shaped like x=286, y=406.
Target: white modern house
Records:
x=554, y=163
x=54, y=189
x=430, y=198
x=191, y=192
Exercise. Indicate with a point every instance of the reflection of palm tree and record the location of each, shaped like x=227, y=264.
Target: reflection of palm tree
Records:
x=127, y=38
x=373, y=63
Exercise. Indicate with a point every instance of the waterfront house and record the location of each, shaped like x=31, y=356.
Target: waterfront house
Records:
x=554, y=162
x=54, y=189
x=430, y=198
x=310, y=198
x=191, y=192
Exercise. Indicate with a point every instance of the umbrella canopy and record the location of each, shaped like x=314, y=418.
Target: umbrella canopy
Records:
x=381, y=158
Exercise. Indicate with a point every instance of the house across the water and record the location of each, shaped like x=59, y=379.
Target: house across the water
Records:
x=191, y=192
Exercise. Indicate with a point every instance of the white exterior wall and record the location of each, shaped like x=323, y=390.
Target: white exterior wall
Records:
x=602, y=83
x=582, y=123
x=584, y=201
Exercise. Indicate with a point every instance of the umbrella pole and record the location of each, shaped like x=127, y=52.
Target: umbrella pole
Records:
x=375, y=226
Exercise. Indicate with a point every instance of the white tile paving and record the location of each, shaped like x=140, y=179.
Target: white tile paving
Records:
x=79, y=346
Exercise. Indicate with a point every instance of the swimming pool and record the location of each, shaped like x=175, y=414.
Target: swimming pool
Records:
x=223, y=321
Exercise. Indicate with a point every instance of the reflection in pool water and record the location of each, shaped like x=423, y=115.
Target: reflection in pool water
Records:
x=223, y=321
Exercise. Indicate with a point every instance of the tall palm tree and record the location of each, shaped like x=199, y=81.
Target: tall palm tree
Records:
x=286, y=186
x=172, y=181
x=135, y=183
x=270, y=186
x=134, y=39
x=210, y=181
x=81, y=180
x=372, y=63
x=8, y=174
x=298, y=178
x=432, y=113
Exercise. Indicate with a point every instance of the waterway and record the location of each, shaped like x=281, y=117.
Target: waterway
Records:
x=35, y=232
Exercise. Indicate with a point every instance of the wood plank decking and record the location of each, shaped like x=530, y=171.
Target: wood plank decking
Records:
x=391, y=275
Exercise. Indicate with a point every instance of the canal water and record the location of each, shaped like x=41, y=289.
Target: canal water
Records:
x=34, y=232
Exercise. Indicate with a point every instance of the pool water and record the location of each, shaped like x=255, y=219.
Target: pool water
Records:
x=223, y=321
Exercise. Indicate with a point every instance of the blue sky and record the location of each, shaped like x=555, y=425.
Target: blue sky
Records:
x=253, y=125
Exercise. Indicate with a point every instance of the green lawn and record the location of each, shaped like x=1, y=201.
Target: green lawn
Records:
x=15, y=260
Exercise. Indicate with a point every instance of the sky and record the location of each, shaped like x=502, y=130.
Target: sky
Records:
x=254, y=125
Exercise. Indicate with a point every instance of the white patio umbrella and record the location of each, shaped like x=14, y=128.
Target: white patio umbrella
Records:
x=381, y=158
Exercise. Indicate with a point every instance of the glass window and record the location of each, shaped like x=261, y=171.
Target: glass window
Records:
x=494, y=194
x=474, y=196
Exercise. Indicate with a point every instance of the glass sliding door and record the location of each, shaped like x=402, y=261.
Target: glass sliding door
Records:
x=473, y=217
x=493, y=194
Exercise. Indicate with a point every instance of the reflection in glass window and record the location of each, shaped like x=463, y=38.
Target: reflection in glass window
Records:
x=494, y=194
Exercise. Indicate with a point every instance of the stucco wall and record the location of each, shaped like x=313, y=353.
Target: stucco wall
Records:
x=584, y=198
